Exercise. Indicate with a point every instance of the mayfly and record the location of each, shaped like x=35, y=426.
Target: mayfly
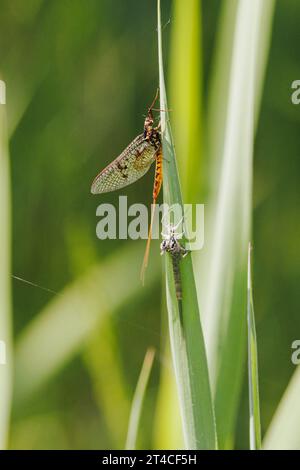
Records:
x=171, y=245
x=132, y=164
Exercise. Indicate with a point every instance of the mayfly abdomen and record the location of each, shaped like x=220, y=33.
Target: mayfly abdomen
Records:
x=177, y=276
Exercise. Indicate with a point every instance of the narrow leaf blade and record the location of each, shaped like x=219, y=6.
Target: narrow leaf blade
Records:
x=223, y=277
x=254, y=408
x=283, y=432
x=5, y=274
x=187, y=343
x=138, y=399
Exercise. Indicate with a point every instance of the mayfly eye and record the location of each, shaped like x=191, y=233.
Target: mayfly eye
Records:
x=172, y=244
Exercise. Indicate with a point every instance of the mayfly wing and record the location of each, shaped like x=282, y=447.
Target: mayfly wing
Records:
x=127, y=168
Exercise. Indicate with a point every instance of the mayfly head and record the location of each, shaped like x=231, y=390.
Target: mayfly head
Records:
x=170, y=243
x=170, y=229
x=148, y=124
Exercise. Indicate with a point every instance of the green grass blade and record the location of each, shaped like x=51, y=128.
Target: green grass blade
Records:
x=5, y=301
x=187, y=344
x=283, y=432
x=185, y=93
x=138, y=399
x=73, y=316
x=167, y=424
x=263, y=47
x=103, y=361
x=225, y=253
x=254, y=408
x=219, y=83
x=218, y=89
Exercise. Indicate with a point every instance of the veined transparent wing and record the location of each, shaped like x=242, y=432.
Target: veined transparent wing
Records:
x=127, y=168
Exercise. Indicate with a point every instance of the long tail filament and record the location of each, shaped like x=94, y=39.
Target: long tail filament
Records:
x=156, y=189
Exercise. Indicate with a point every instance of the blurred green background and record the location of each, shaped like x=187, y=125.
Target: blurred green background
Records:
x=79, y=76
